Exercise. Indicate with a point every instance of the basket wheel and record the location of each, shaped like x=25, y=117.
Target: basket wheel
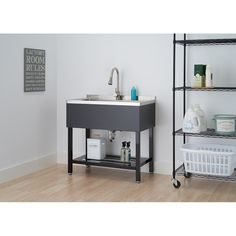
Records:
x=187, y=175
x=176, y=183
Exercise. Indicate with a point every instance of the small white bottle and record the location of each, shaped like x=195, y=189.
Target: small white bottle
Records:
x=209, y=83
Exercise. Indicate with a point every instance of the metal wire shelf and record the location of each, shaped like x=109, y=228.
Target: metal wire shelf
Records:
x=224, y=89
x=208, y=42
x=180, y=171
x=210, y=133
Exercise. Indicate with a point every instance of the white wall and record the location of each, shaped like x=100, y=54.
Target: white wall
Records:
x=28, y=120
x=84, y=65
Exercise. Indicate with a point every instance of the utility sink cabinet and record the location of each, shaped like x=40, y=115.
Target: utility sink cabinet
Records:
x=133, y=116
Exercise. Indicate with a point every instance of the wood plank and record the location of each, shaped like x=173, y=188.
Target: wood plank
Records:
x=97, y=184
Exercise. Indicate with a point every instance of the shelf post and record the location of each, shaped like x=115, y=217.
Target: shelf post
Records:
x=137, y=140
x=151, y=163
x=184, y=84
x=70, y=150
x=173, y=130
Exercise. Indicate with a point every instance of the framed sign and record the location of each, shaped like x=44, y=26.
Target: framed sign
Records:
x=34, y=70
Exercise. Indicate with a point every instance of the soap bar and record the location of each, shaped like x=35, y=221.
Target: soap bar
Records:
x=199, y=81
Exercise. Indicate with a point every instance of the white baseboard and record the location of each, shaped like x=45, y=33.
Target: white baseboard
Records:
x=28, y=167
x=62, y=158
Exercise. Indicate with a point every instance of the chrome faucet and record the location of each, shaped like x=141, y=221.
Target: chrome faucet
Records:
x=117, y=90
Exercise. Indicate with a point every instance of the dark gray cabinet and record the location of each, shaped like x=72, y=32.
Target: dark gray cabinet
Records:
x=111, y=117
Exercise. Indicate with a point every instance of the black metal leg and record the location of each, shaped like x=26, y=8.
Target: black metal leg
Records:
x=151, y=163
x=138, y=176
x=87, y=135
x=184, y=82
x=173, y=130
x=175, y=182
x=70, y=150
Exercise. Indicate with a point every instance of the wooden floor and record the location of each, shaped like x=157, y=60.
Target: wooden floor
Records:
x=100, y=184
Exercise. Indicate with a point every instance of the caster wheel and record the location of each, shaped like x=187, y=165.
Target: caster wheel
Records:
x=176, y=183
x=187, y=175
x=69, y=173
x=87, y=166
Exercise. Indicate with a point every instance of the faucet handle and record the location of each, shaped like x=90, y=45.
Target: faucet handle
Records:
x=119, y=97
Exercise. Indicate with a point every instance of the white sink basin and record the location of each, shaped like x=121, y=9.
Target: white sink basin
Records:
x=111, y=100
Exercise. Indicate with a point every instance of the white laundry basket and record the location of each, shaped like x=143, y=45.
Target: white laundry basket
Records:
x=209, y=159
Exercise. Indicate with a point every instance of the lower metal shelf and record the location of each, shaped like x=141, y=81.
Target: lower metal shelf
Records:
x=111, y=161
x=180, y=172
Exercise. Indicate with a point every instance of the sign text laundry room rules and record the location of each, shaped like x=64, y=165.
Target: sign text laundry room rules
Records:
x=34, y=70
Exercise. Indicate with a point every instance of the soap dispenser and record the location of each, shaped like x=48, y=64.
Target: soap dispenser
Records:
x=133, y=93
x=123, y=151
x=128, y=152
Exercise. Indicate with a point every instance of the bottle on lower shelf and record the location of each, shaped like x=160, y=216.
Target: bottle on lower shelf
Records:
x=128, y=153
x=123, y=151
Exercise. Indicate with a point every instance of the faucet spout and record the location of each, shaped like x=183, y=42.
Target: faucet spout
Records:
x=117, y=90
